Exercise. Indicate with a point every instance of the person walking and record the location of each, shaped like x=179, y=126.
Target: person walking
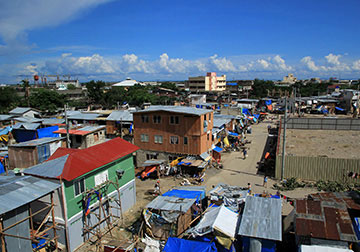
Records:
x=244, y=153
x=265, y=181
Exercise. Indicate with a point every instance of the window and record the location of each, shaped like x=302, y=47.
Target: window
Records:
x=79, y=186
x=145, y=118
x=144, y=138
x=174, y=119
x=78, y=138
x=174, y=140
x=209, y=117
x=151, y=156
x=185, y=140
x=205, y=117
x=208, y=137
x=158, y=139
x=157, y=119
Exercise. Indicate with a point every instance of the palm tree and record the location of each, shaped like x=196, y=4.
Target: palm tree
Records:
x=26, y=86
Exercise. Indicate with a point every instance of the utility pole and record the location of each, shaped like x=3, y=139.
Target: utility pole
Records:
x=284, y=142
x=67, y=127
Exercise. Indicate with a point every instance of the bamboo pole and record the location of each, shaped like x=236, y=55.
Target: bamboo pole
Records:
x=3, y=247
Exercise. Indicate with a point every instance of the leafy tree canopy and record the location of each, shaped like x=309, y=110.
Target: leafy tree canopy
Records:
x=8, y=99
x=46, y=100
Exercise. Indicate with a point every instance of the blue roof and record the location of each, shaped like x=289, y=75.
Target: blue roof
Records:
x=218, y=149
x=231, y=84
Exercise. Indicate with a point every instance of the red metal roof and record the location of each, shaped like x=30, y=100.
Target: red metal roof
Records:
x=326, y=216
x=73, y=132
x=80, y=162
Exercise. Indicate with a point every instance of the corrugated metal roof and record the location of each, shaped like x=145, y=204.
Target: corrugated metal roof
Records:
x=167, y=203
x=51, y=121
x=27, y=126
x=5, y=117
x=50, y=169
x=261, y=218
x=16, y=191
x=19, y=110
x=37, y=142
x=81, y=131
x=326, y=216
x=152, y=162
x=83, y=116
x=218, y=122
x=26, y=119
x=80, y=162
x=176, y=109
x=120, y=115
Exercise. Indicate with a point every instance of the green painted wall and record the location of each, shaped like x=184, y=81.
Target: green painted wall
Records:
x=75, y=204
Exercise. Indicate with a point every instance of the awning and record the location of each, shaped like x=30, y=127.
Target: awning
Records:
x=205, y=156
x=233, y=134
x=218, y=149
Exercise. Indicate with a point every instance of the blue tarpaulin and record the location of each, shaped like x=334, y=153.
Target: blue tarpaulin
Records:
x=340, y=109
x=186, y=194
x=256, y=116
x=231, y=84
x=48, y=132
x=245, y=111
x=175, y=244
x=218, y=149
x=268, y=102
x=24, y=135
x=43, y=152
x=233, y=134
x=266, y=245
x=5, y=130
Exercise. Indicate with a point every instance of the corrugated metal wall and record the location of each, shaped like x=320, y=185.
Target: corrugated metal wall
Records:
x=316, y=168
x=323, y=123
x=22, y=229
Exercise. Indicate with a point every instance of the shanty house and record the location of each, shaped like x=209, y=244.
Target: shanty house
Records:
x=165, y=132
x=5, y=120
x=24, y=201
x=24, y=112
x=29, y=153
x=25, y=131
x=99, y=177
x=120, y=123
x=84, y=137
x=327, y=219
x=261, y=224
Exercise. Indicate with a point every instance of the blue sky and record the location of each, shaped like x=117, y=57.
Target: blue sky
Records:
x=171, y=40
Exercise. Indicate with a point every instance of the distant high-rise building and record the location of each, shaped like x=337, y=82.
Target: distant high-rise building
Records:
x=291, y=79
x=210, y=82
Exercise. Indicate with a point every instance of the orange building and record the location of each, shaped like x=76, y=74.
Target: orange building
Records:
x=167, y=132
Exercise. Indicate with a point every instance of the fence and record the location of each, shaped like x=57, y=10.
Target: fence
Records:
x=317, y=168
x=324, y=123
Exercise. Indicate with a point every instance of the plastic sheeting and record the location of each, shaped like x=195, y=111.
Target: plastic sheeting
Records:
x=24, y=135
x=43, y=152
x=221, y=221
x=175, y=244
x=47, y=132
x=268, y=102
x=186, y=194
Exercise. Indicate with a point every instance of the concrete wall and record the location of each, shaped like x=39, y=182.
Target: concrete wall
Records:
x=76, y=223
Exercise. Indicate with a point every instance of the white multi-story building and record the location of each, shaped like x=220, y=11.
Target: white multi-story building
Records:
x=210, y=82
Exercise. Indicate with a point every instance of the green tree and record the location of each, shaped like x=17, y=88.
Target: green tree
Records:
x=261, y=87
x=26, y=87
x=96, y=93
x=71, y=87
x=8, y=99
x=46, y=100
x=169, y=85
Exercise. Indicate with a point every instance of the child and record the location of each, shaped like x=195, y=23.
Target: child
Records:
x=265, y=181
x=244, y=153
